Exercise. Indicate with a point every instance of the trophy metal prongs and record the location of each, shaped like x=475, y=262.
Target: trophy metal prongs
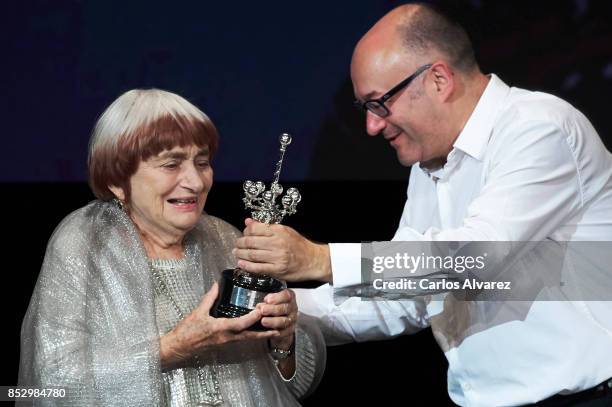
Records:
x=239, y=290
x=263, y=203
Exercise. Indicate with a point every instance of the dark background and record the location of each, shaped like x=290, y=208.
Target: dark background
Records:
x=258, y=68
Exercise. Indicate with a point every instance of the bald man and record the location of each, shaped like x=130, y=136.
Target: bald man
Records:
x=489, y=163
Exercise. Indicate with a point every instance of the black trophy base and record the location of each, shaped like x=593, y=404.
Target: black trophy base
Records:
x=240, y=292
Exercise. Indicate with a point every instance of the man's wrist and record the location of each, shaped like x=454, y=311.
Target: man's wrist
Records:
x=321, y=268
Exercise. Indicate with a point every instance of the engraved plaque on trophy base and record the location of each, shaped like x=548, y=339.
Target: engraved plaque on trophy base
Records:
x=240, y=292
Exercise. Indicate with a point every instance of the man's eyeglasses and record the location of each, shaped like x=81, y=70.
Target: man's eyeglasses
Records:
x=377, y=106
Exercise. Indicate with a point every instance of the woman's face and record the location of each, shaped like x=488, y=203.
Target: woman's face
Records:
x=168, y=191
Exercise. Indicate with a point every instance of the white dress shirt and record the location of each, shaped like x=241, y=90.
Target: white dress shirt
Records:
x=526, y=167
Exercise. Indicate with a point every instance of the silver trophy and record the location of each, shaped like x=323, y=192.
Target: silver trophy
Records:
x=239, y=290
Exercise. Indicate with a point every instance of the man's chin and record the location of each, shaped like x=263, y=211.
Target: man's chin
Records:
x=407, y=160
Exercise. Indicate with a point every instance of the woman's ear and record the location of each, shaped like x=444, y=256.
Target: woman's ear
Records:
x=119, y=193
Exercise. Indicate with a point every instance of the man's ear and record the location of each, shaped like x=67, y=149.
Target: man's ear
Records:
x=119, y=193
x=443, y=80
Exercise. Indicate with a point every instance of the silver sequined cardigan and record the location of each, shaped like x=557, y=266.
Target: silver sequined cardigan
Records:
x=91, y=325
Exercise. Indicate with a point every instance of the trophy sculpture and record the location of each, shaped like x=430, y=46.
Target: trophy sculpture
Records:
x=239, y=290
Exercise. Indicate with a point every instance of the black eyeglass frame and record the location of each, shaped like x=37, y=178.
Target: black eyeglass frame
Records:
x=373, y=104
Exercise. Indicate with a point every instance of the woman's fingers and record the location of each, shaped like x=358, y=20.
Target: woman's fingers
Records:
x=243, y=322
x=209, y=298
x=277, y=304
x=280, y=297
x=253, y=335
x=235, y=329
x=279, y=310
x=268, y=310
x=279, y=323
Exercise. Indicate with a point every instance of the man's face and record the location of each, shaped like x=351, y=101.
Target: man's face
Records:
x=412, y=127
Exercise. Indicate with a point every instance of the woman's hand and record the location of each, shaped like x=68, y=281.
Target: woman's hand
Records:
x=280, y=313
x=199, y=331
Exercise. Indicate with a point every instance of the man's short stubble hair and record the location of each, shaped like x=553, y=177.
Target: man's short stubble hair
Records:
x=428, y=28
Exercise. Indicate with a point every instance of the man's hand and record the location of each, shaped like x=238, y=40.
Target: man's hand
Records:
x=281, y=252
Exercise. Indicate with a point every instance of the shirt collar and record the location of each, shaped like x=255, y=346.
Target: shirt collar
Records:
x=475, y=135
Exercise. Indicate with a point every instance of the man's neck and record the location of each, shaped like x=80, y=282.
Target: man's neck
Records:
x=474, y=88
x=433, y=164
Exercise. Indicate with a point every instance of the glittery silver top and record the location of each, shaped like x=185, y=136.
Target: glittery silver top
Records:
x=94, y=321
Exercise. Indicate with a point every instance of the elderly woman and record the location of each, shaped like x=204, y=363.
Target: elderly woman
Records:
x=120, y=312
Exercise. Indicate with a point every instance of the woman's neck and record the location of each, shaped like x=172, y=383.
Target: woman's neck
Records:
x=158, y=247
x=159, y=243
x=157, y=251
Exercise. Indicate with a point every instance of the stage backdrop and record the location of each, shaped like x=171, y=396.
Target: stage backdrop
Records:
x=259, y=69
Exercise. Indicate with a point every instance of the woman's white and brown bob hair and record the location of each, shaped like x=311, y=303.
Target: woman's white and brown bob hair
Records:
x=140, y=124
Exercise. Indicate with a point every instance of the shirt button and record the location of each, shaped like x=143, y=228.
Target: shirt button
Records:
x=466, y=386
